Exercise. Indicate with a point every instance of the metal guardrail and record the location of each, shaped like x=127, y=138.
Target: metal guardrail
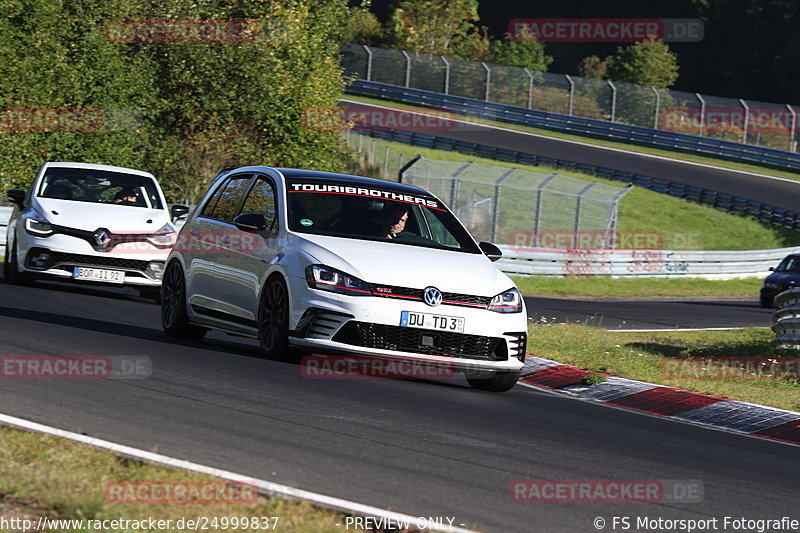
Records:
x=601, y=129
x=786, y=320
x=762, y=212
x=640, y=263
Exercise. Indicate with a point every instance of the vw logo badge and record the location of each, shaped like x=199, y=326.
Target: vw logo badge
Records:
x=432, y=296
x=102, y=238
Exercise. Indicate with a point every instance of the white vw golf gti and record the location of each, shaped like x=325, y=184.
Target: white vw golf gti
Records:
x=91, y=223
x=339, y=263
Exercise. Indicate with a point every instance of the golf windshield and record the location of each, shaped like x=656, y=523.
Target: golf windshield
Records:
x=99, y=186
x=356, y=212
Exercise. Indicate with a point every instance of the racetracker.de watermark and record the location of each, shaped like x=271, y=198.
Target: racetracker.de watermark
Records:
x=368, y=118
x=603, y=239
x=763, y=120
x=729, y=368
x=606, y=491
x=178, y=492
x=364, y=367
x=75, y=367
x=161, y=31
x=32, y=119
x=607, y=30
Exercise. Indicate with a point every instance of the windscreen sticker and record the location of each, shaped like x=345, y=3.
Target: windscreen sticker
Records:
x=306, y=222
x=359, y=191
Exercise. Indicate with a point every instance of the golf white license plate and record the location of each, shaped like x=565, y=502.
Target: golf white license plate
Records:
x=99, y=274
x=413, y=319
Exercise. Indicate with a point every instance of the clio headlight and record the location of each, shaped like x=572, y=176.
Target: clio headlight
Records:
x=37, y=225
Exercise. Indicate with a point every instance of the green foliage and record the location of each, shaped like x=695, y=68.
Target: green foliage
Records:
x=593, y=67
x=523, y=52
x=181, y=110
x=648, y=62
x=362, y=28
x=593, y=379
x=433, y=26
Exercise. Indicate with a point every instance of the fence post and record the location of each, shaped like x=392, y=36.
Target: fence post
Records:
x=658, y=107
x=408, y=68
x=405, y=167
x=446, y=75
x=746, y=119
x=612, y=222
x=571, y=92
x=578, y=213
x=613, y=100
x=496, y=209
x=454, y=183
x=488, y=80
x=793, y=130
x=386, y=161
x=530, y=88
x=369, y=62
x=702, y=112
x=537, y=220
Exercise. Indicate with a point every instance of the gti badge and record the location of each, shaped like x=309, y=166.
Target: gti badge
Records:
x=432, y=296
x=102, y=238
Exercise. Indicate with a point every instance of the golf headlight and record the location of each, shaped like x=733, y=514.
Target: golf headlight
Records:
x=329, y=279
x=163, y=237
x=770, y=285
x=507, y=302
x=37, y=225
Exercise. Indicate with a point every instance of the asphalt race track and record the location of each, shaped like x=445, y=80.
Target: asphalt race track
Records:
x=649, y=314
x=779, y=193
x=419, y=447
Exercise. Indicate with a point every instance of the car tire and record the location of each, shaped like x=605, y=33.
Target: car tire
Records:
x=273, y=319
x=11, y=271
x=499, y=382
x=174, y=318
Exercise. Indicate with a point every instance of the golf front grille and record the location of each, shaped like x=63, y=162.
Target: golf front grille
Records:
x=423, y=341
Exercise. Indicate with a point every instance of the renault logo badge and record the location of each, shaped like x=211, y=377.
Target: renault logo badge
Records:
x=102, y=238
x=432, y=296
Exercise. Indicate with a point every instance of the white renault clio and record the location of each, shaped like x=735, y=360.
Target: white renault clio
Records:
x=91, y=223
x=339, y=263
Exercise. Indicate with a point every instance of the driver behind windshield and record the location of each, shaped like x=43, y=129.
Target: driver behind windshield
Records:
x=127, y=196
x=393, y=220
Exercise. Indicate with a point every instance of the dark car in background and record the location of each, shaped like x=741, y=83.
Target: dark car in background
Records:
x=784, y=277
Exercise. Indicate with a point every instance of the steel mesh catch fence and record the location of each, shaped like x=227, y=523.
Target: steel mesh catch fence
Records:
x=509, y=206
x=758, y=123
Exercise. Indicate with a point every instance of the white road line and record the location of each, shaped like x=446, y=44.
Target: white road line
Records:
x=685, y=329
x=541, y=136
x=265, y=487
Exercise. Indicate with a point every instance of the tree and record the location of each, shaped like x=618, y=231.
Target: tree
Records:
x=363, y=27
x=433, y=26
x=524, y=51
x=593, y=67
x=179, y=109
x=648, y=62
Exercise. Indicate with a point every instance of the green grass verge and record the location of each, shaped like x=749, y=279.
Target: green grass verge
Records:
x=677, y=224
x=604, y=286
x=41, y=475
x=643, y=356
x=755, y=169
